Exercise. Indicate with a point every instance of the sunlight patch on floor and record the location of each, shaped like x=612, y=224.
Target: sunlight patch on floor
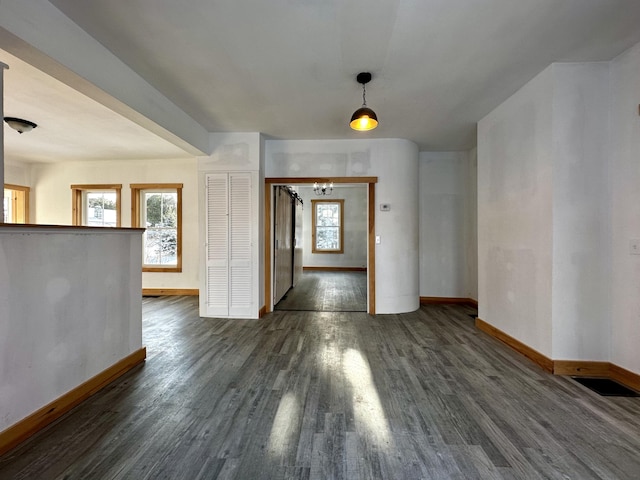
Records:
x=367, y=407
x=284, y=431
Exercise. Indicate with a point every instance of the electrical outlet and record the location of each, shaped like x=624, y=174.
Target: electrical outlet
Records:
x=634, y=246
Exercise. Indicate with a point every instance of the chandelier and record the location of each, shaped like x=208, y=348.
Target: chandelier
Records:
x=323, y=189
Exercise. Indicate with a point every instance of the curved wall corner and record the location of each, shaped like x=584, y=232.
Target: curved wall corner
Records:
x=395, y=163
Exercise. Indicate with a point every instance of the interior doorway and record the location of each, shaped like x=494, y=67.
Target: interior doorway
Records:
x=15, y=204
x=369, y=279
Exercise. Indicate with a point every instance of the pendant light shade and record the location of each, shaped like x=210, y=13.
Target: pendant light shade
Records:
x=364, y=118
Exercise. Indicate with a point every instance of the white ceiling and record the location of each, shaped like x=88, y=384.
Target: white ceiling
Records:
x=287, y=68
x=71, y=126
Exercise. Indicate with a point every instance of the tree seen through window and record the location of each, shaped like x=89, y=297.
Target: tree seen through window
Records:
x=161, y=223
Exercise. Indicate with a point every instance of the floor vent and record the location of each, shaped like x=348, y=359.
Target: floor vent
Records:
x=606, y=387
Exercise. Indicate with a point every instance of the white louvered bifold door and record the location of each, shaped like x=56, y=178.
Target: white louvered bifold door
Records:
x=240, y=251
x=217, y=278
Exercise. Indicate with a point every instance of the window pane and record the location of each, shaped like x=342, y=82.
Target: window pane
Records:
x=101, y=209
x=327, y=238
x=169, y=210
x=169, y=247
x=160, y=247
x=152, y=247
x=153, y=211
x=327, y=214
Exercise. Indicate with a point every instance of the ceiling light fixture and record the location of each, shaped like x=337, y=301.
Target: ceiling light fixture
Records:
x=364, y=118
x=20, y=125
x=323, y=189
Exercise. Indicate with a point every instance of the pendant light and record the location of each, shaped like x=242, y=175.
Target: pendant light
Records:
x=364, y=118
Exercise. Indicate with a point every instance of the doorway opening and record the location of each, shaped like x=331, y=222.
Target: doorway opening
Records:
x=367, y=277
x=16, y=204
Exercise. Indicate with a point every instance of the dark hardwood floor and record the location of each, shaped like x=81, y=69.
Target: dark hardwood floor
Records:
x=322, y=395
x=320, y=291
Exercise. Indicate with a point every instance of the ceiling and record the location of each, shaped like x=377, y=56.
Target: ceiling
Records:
x=71, y=126
x=287, y=68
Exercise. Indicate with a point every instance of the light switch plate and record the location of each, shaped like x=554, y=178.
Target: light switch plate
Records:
x=634, y=246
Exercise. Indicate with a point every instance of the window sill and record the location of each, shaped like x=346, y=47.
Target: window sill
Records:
x=162, y=269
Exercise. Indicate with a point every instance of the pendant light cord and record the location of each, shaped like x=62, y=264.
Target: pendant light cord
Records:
x=364, y=93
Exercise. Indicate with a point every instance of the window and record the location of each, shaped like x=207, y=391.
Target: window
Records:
x=158, y=209
x=15, y=203
x=328, y=233
x=96, y=205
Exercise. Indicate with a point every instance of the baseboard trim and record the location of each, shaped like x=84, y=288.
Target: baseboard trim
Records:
x=19, y=432
x=625, y=377
x=536, y=357
x=609, y=370
x=162, y=292
x=579, y=368
x=336, y=269
x=448, y=300
x=262, y=312
x=576, y=368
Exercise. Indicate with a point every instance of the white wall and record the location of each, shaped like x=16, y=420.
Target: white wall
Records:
x=471, y=231
x=543, y=213
x=625, y=213
x=446, y=224
x=68, y=313
x=581, y=230
x=395, y=163
x=355, y=227
x=17, y=173
x=51, y=202
x=515, y=214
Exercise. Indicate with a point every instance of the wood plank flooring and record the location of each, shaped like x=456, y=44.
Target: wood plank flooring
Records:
x=320, y=291
x=322, y=395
